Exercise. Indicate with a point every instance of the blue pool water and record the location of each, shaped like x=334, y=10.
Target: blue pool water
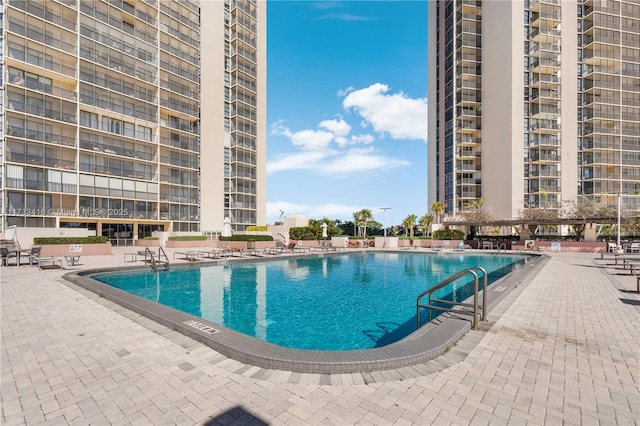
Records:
x=352, y=301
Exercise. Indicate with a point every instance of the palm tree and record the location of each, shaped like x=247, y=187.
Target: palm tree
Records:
x=365, y=215
x=356, y=221
x=438, y=208
x=425, y=221
x=408, y=223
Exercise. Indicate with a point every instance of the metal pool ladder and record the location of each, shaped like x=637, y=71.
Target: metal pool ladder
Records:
x=502, y=247
x=430, y=306
x=162, y=260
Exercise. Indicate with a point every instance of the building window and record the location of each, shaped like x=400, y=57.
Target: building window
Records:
x=89, y=119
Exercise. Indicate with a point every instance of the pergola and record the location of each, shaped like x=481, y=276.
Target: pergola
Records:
x=529, y=222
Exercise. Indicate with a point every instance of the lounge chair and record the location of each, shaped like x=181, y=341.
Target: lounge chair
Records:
x=462, y=246
x=214, y=253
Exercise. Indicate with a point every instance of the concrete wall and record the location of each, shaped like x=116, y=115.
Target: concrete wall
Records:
x=26, y=235
x=59, y=250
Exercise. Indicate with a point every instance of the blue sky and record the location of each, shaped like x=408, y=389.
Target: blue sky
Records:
x=346, y=109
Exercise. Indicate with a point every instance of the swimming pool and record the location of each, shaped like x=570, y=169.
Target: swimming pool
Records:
x=359, y=300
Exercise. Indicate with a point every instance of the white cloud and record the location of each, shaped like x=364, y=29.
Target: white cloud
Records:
x=344, y=92
x=298, y=161
x=345, y=17
x=312, y=139
x=306, y=139
x=331, y=150
x=338, y=127
x=365, y=139
x=361, y=160
x=397, y=115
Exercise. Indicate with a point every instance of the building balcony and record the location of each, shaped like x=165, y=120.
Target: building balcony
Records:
x=544, y=173
x=544, y=35
x=541, y=158
x=534, y=5
x=467, y=140
x=544, y=140
x=468, y=112
x=541, y=111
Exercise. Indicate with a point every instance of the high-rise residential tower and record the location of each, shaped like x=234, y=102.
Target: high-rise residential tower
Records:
x=105, y=120
x=533, y=103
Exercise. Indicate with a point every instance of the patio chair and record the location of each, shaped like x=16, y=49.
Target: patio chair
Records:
x=634, y=248
x=6, y=255
x=34, y=254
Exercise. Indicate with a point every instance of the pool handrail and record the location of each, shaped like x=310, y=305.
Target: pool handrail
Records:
x=162, y=259
x=484, y=291
x=430, y=306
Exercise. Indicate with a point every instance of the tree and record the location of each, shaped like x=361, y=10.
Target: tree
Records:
x=585, y=209
x=478, y=213
x=365, y=215
x=425, y=221
x=534, y=214
x=438, y=208
x=356, y=223
x=314, y=230
x=408, y=223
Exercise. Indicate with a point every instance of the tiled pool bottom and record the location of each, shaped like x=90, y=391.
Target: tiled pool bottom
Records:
x=425, y=344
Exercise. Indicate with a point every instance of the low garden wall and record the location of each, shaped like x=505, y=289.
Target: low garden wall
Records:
x=189, y=244
x=59, y=250
x=565, y=246
x=243, y=245
x=147, y=243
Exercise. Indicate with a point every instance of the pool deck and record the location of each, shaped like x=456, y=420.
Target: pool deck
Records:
x=562, y=347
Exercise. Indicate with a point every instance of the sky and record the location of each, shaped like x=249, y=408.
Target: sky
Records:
x=346, y=109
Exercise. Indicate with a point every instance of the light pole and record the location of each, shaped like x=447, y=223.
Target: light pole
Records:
x=385, y=224
x=618, y=246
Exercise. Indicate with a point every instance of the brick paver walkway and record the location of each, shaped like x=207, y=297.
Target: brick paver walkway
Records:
x=564, y=347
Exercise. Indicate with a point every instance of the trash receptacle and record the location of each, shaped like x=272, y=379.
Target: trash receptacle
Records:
x=251, y=244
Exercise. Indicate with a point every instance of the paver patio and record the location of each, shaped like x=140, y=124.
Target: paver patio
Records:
x=564, y=347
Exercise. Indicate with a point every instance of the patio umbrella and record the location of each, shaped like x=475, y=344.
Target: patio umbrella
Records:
x=324, y=230
x=226, y=229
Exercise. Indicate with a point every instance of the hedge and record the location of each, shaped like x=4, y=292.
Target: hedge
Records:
x=188, y=238
x=41, y=241
x=151, y=238
x=257, y=228
x=448, y=234
x=247, y=238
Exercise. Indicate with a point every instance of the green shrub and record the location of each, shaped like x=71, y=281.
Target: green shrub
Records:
x=257, y=228
x=448, y=234
x=247, y=238
x=305, y=233
x=188, y=238
x=40, y=241
x=151, y=238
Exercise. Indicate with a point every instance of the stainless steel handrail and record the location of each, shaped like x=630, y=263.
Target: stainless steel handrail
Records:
x=484, y=291
x=430, y=306
x=148, y=254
